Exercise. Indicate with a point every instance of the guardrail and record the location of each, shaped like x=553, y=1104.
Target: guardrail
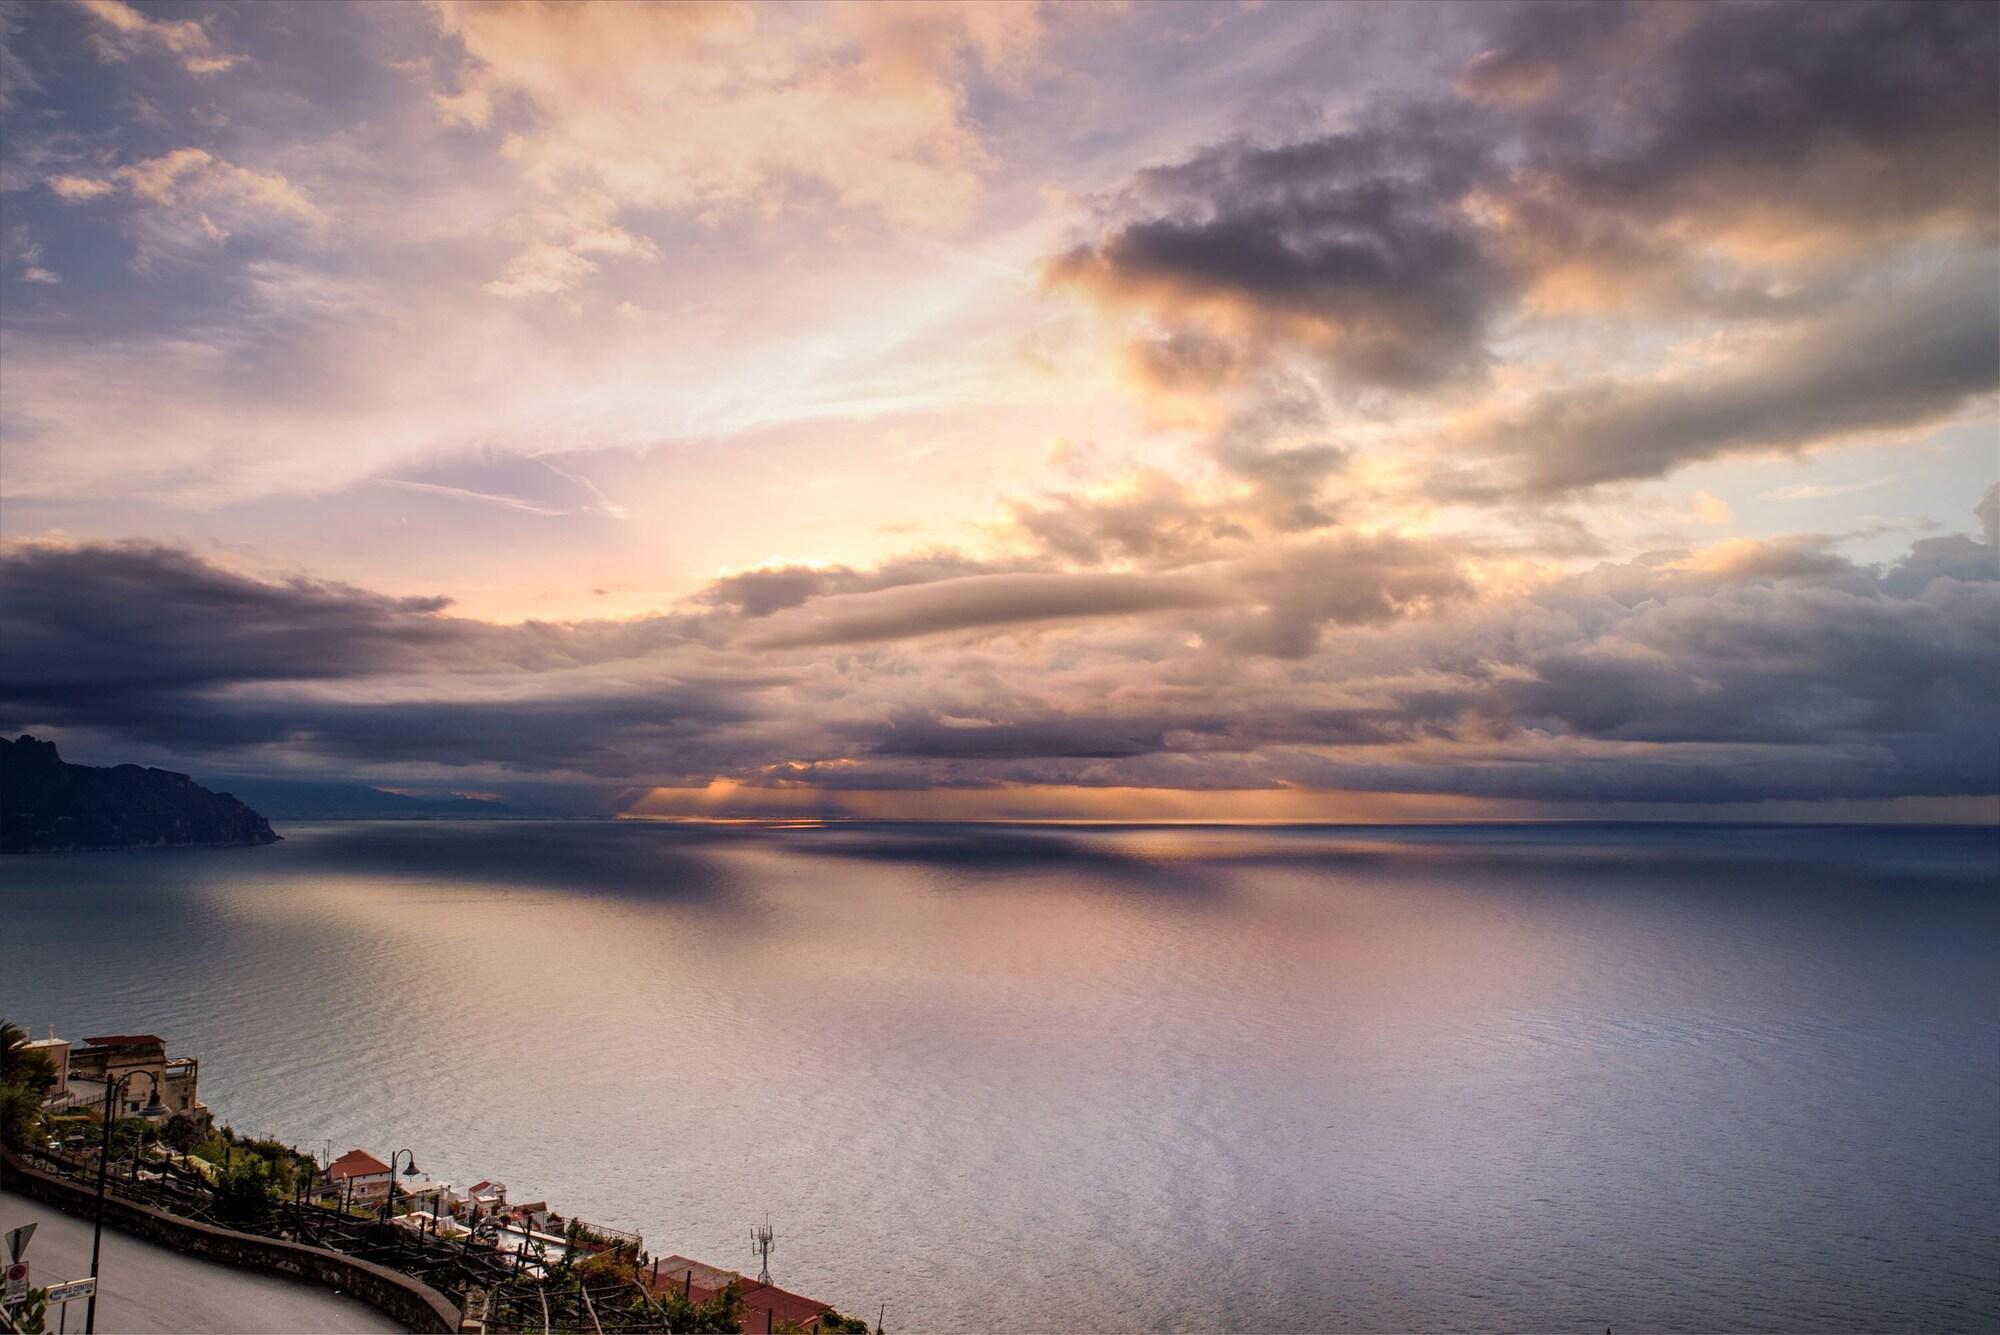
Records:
x=407, y=1300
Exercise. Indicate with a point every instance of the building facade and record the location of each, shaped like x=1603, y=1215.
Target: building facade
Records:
x=111, y=1058
x=359, y=1176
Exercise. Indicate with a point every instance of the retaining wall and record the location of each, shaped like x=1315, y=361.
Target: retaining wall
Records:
x=416, y=1306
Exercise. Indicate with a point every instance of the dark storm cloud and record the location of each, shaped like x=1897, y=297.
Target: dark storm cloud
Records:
x=1882, y=364
x=143, y=617
x=1751, y=671
x=1354, y=244
x=662, y=733
x=1778, y=670
x=1851, y=116
x=1776, y=664
x=1955, y=558
x=1226, y=728
x=167, y=650
x=1757, y=164
x=137, y=616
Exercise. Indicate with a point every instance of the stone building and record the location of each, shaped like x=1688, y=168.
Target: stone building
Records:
x=143, y=1057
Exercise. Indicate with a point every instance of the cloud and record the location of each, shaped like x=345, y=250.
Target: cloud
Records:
x=1881, y=364
x=1347, y=581
x=548, y=267
x=24, y=255
x=1816, y=190
x=77, y=189
x=723, y=109
x=1356, y=245
x=192, y=199
x=1153, y=520
x=1816, y=491
x=1740, y=673
x=74, y=615
x=123, y=32
x=467, y=494
x=978, y=603
x=1768, y=126
x=1273, y=464
x=1404, y=367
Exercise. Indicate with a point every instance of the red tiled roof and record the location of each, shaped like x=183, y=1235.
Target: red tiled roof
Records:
x=126, y=1041
x=764, y=1305
x=356, y=1163
x=775, y=1305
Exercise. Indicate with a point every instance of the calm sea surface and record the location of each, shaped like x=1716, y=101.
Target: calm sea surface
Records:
x=1013, y=1077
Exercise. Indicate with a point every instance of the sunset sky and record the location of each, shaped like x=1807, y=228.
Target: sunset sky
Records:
x=1183, y=411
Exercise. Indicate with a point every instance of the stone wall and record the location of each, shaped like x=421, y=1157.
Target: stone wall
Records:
x=416, y=1306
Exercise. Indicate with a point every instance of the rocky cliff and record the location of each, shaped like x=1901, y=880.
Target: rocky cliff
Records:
x=48, y=805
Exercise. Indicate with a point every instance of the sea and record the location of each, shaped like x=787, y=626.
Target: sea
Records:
x=990, y=1077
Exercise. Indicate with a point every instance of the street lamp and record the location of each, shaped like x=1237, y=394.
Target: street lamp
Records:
x=111, y=1088
x=389, y=1209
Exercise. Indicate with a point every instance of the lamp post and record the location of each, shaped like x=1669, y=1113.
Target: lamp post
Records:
x=111, y=1088
x=389, y=1208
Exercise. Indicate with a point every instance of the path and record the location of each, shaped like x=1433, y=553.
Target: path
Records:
x=145, y=1287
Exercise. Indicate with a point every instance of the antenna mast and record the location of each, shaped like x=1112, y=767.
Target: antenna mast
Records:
x=761, y=1239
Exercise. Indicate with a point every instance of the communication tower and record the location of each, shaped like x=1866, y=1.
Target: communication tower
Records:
x=761, y=1239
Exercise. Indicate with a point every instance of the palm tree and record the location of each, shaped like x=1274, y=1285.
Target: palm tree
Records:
x=13, y=1048
x=21, y=1064
x=25, y=1076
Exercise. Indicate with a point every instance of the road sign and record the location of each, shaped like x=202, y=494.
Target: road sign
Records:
x=72, y=1288
x=17, y=1241
x=17, y=1282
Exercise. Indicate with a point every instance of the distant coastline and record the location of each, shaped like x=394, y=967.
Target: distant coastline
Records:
x=48, y=805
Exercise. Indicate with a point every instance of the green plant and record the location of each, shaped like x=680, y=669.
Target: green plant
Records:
x=20, y=1115
x=31, y=1315
x=243, y=1195
x=833, y=1323
x=614, y=1264
x=22, y=1065
x=181, y=1134
x=25, y=1076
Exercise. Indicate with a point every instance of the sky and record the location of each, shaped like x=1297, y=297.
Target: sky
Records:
x=1136, y=411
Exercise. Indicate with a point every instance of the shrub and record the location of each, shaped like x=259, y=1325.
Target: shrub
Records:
x=833, y=1323
x=243, y=1195
x=181, y=1134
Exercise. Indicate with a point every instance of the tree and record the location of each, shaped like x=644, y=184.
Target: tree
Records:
x=21, y=1064
x=20, y=1115
x=181, y=1134
x=25, y=1076
x=243, y=1195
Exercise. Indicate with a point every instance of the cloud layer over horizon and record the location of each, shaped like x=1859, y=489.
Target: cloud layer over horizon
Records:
x=1542, y=403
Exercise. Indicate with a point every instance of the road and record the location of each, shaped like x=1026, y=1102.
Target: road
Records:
x=146, y=1288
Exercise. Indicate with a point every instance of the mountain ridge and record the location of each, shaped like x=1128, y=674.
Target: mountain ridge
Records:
x=48, y=805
